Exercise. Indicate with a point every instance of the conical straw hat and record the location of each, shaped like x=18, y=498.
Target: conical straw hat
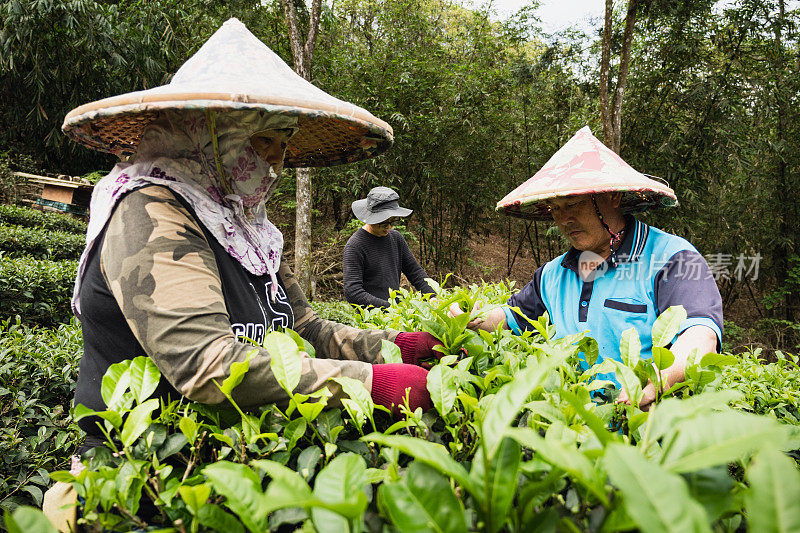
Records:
x=583, y=166
x=234, y=70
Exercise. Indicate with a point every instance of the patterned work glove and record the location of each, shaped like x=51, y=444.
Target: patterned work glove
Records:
x=416, y=346
x=390, y=382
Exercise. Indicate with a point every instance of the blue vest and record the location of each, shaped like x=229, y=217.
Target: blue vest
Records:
x=623, y=292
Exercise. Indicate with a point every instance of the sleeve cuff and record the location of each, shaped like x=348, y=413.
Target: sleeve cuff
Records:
x=511, y=321
x=702, y=321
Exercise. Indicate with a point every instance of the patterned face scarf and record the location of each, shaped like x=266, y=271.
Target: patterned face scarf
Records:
x=205, y=158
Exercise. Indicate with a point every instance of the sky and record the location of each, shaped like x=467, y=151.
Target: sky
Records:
x=556, y=14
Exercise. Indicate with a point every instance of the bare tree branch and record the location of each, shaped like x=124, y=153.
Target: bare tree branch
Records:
x=622, y=78
x=605, y=69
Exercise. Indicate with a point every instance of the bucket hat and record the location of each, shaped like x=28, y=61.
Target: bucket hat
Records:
x=584, y=165
x=234, y=70
x=379, y=205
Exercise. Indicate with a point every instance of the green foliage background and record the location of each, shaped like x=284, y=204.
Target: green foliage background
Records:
x=477, y=105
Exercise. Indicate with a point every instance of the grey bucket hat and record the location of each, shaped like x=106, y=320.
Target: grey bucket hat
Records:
x=379, y=205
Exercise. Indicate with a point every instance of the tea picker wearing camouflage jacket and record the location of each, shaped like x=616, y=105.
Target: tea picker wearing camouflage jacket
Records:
x=161, y=286
x=182, y=263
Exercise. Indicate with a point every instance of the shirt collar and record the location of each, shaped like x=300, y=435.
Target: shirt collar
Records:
x=629, y=251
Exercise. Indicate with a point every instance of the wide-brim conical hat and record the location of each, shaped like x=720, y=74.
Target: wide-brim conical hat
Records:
x=584, y=165
x=234, y=70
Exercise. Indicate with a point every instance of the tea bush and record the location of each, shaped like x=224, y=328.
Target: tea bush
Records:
x=18, y=241
x=38, y=369
x=772, y=389
x=515, y=442
x=39, y=291
x=17, y=215
x=338, y=311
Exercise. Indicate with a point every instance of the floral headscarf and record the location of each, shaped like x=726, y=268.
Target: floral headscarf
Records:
x=205, y=158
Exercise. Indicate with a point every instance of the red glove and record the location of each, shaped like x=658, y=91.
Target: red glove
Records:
x=416, y=346
x=390, y=382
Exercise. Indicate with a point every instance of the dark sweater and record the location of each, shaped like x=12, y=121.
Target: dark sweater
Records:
x=372, y=266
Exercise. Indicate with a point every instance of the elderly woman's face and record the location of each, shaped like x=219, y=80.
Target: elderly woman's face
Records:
x=270, y=145
x=578, y=221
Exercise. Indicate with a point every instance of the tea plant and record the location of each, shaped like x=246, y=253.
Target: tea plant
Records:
x=17, y=215
x=772, y=389
x=519, y=440
x=38, y=368
x=38, y=291
x=18, y=241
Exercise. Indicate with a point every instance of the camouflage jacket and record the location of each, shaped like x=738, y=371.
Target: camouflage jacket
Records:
x=160, y=267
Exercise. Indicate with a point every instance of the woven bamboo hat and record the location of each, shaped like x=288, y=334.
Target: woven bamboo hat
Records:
x=584, y=166
x=233, y=70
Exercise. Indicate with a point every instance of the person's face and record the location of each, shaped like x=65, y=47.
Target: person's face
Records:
x=271, y=147
x=382, y=229
x=578, y=221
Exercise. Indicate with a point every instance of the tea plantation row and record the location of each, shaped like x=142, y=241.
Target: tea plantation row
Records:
x=518, y=440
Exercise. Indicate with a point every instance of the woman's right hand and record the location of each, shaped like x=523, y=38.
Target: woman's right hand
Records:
x=391, y=382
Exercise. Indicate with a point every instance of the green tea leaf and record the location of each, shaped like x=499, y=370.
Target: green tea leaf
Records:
x=667, y=325
x=594, y=422
x=500, y=481
x=26, y=520
x=144, y=378
x=718, y=438
x=195, y=496
x=285, y=360
x=590, y=349
x=217, y=519
x=629, y=381
x=630, y=347
x=772, y=500
x=718, y=360
x=342, y=481
x=655, y=499
x=422, y=501
x=430, y=453
x=390, y=352
x=172, y=445
x=442, y=387
x=188, y=428
x=662, y=357
x=114, y=386
x=237, y=372
x=137, y=421
x=360, y=405
x=286, y=484
x=81, y=411
x=567, y=458
x=294, y=431
x=302, y=344
x=714, y=489
x=509, y=400
x=308, y=460
x=242, y=491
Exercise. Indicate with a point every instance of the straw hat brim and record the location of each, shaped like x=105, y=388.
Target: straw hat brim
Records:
x=330, y=133
x=634, y=200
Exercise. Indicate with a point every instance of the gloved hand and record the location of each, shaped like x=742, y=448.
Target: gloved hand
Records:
x=390, y=382
x=416, y=346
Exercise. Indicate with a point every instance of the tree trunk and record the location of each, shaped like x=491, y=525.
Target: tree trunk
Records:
x=605, y=72
x=784, y=248
x=302, y=230
x=611, y=110
x=303, y=53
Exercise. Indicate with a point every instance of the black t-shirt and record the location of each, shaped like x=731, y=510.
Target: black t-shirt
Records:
x=108, y=339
